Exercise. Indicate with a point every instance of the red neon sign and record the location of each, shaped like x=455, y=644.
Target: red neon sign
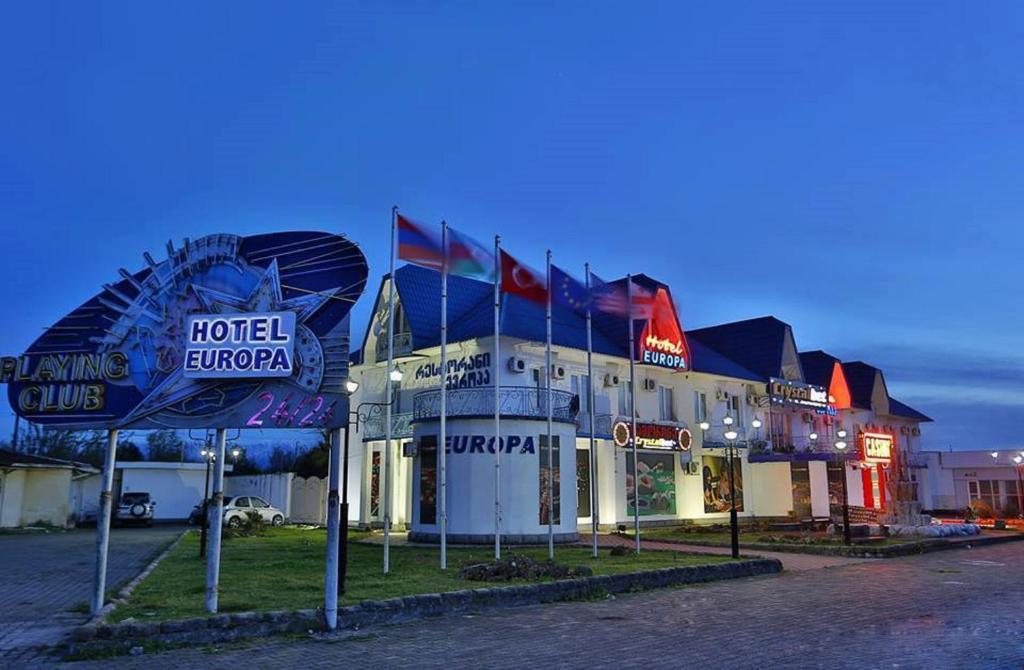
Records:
x=662, y=341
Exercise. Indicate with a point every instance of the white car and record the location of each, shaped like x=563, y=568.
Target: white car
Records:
x=236, y=509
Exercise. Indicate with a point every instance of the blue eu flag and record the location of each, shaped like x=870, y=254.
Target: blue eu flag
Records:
x=567, y=291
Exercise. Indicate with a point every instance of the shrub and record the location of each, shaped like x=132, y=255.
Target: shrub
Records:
x=982, y=509
x=521, y=567
x=252, y=525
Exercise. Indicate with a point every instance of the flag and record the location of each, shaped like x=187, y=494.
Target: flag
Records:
x=568, y=292
x=419, y=245
x=468, y=258
x=519, y=279
x=610, y=298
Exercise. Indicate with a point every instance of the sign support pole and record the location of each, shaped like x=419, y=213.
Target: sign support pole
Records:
x=331, y=578
x=216, y=512
x=390, y=397
x=103, y=523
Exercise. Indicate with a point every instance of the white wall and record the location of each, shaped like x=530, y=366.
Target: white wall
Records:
x=818, y=472
x=12, y=492
x=771, y=489
x=45, y=497
x=175, y=490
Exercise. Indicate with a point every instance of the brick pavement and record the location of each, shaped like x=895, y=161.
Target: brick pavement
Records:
x=952, y=609
x=46, y=575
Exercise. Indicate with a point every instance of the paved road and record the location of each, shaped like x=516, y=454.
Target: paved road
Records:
x=953, y=609
x=44, y=576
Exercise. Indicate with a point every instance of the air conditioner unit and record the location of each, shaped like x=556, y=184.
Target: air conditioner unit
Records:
x=808, y=418
x=752, y=399
x=516, y=364
x=691, y=468
x=721, y=395
x=409, y=449
x=557, y=372
x=611, y=380
x=916, y=431
x=905, y=430
x=650, y=385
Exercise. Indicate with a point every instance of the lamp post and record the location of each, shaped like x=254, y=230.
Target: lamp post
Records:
x=841, y=446
x=1019, y=462
x=730, y=436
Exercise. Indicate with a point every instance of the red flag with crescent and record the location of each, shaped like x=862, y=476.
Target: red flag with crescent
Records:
x=519, y=279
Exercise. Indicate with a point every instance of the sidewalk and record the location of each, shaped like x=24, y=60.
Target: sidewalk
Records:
x=790, y=561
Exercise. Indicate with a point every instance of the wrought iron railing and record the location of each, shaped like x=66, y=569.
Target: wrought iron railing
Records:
x=523, y=402
x=374, y=422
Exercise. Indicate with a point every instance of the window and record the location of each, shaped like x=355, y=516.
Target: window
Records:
x=242, y=502
x=582, y=483
x=553, y=491
x=427, y=454
x=666, y=404
x=700, y=406
x=736, y=409
x=625, y=397
x=259, y=503
x=1013, y=498
x=581, y=388
x=989, y=490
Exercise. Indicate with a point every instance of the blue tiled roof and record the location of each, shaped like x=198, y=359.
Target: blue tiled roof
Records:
x=471, y=315
x=755, y=344
x=896, y=408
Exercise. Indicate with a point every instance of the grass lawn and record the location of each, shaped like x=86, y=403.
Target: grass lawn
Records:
x=284, y=569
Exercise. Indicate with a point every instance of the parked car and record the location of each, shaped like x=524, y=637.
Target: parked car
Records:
x=135, y=507
x=236, y=509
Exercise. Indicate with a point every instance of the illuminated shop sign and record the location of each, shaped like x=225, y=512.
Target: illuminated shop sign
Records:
x=662, y=342
x=798, y=394
x=239, y=345
x=652, y=436
x=224, y=331
x=65, y=382
x=876, y=447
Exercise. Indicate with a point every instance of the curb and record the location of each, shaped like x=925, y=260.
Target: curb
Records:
x=910, y=549
x=121, y=638
x=125, y=591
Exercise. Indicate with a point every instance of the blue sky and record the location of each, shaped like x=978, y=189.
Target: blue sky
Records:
x=853, y=169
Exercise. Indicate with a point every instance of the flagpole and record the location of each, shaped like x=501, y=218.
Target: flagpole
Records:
x=497, y=397
x=390, y=393
x=590, y=407
x=632, y=412
x=442, y=446
x=551, y=463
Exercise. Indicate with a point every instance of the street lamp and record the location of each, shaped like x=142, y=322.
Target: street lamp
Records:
x=734, y=524
x=396, y=375
x=705, y=426
x=841, y=446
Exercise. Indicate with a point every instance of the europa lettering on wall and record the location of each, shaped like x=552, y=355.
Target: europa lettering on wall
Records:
x=225, y=332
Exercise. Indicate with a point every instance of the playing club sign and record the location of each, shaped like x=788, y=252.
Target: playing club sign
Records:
x=225, y=332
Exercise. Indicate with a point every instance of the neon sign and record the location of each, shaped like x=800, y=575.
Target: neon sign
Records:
x=876, y=447
x=784, y=392
x=662, y=342
x=652, y=436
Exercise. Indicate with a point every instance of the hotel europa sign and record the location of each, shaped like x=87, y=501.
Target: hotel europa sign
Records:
x=224, y=332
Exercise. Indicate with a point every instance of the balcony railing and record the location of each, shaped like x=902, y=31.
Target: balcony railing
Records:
x=521, y=402
x=374, y=423
x=403, y=345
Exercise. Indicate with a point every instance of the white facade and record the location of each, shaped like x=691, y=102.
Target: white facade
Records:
x=174, y=487
x=954, y=479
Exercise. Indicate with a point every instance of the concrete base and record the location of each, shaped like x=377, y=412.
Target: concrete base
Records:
x=458, y=538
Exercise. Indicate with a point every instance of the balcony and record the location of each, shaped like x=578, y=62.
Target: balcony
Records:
x=516, y=402
x=403, y=345
x=374, y=423
x=602, y=425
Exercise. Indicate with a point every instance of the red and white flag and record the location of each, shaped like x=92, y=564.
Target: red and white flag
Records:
x=519, y=279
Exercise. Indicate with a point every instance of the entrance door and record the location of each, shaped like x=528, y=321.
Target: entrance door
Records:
x=583, y=483
x=800, y=476
x=376, y=471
